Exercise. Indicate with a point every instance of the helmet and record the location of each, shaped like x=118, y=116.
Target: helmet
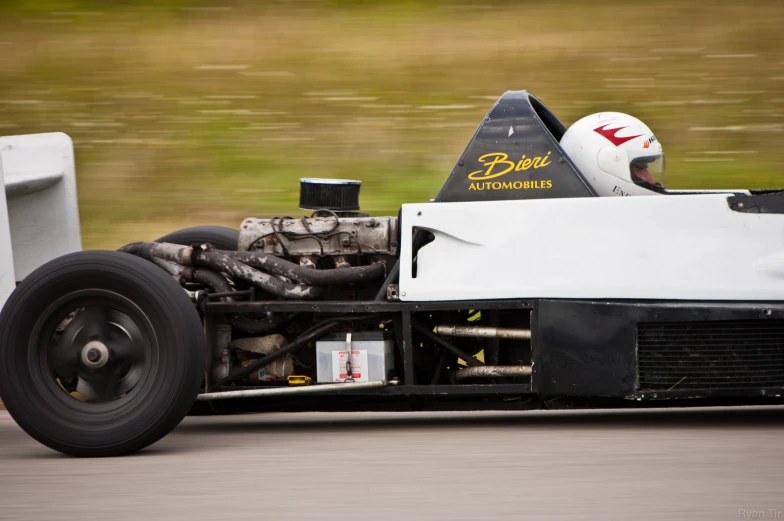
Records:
x=617, y=153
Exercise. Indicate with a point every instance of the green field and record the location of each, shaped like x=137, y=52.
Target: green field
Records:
x=186, y=112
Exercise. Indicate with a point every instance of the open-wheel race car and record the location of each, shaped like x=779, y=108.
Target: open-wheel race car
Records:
x=529, y=281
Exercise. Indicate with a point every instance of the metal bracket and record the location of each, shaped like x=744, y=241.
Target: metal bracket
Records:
x=393, y=292
x=349, y=373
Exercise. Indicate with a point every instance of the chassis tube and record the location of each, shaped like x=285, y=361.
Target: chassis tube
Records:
x=282, y=391
x=484, y=332
x=470, y=360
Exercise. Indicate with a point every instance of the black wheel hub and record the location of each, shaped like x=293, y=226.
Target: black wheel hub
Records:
x=95, y=346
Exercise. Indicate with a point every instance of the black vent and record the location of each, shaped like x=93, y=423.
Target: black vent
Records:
x=330, y=194
x=711, y=355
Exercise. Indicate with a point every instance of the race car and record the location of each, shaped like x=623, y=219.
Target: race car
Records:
x=553, y=269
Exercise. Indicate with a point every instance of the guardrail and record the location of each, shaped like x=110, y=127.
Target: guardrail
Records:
x=39, y=212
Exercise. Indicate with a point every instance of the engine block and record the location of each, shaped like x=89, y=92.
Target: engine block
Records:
x=320, y=236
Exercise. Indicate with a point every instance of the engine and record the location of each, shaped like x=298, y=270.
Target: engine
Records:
x=336, y=235
x=278, y=310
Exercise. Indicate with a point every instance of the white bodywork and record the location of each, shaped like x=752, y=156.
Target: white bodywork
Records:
x=682, y=247
x=39, y=214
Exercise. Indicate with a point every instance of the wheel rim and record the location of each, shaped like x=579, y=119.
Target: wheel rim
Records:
x=93, y=351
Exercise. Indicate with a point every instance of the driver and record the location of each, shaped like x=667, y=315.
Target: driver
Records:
x=640, y=170
x=617, y=153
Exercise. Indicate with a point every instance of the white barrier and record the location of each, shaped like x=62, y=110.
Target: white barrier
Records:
x=39, y=213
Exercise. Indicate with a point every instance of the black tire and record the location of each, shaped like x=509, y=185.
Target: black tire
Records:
x=220, y=237
x=153, y=344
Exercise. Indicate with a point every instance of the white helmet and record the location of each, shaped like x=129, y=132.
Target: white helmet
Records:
x=617, y=153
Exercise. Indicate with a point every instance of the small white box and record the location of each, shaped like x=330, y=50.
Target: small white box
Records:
x=372, y=357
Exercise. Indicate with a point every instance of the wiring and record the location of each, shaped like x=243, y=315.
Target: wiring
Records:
x=279, y=233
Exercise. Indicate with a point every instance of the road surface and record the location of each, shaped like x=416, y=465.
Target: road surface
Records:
x=711, y=464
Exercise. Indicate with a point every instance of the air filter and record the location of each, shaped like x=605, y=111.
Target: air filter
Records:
x=340, y=195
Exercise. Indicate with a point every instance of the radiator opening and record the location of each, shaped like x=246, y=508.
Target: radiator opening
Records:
x=716, y=355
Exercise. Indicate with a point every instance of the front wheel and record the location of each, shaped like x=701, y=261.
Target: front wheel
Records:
x=101, y=354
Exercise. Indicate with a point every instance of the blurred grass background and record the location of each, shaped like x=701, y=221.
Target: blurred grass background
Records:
x=191, y=112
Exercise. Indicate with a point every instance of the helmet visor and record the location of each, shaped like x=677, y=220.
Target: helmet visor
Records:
x=649, y=171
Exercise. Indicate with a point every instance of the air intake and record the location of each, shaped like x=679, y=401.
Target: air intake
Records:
x=716, y=355
x=339, y=195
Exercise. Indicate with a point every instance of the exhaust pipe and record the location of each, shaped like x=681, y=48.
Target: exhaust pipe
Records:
x=492, y=371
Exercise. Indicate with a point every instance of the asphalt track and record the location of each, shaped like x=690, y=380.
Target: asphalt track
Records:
x=711, y=464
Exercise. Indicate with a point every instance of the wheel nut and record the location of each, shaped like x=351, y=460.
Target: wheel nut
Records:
x=95, y=354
